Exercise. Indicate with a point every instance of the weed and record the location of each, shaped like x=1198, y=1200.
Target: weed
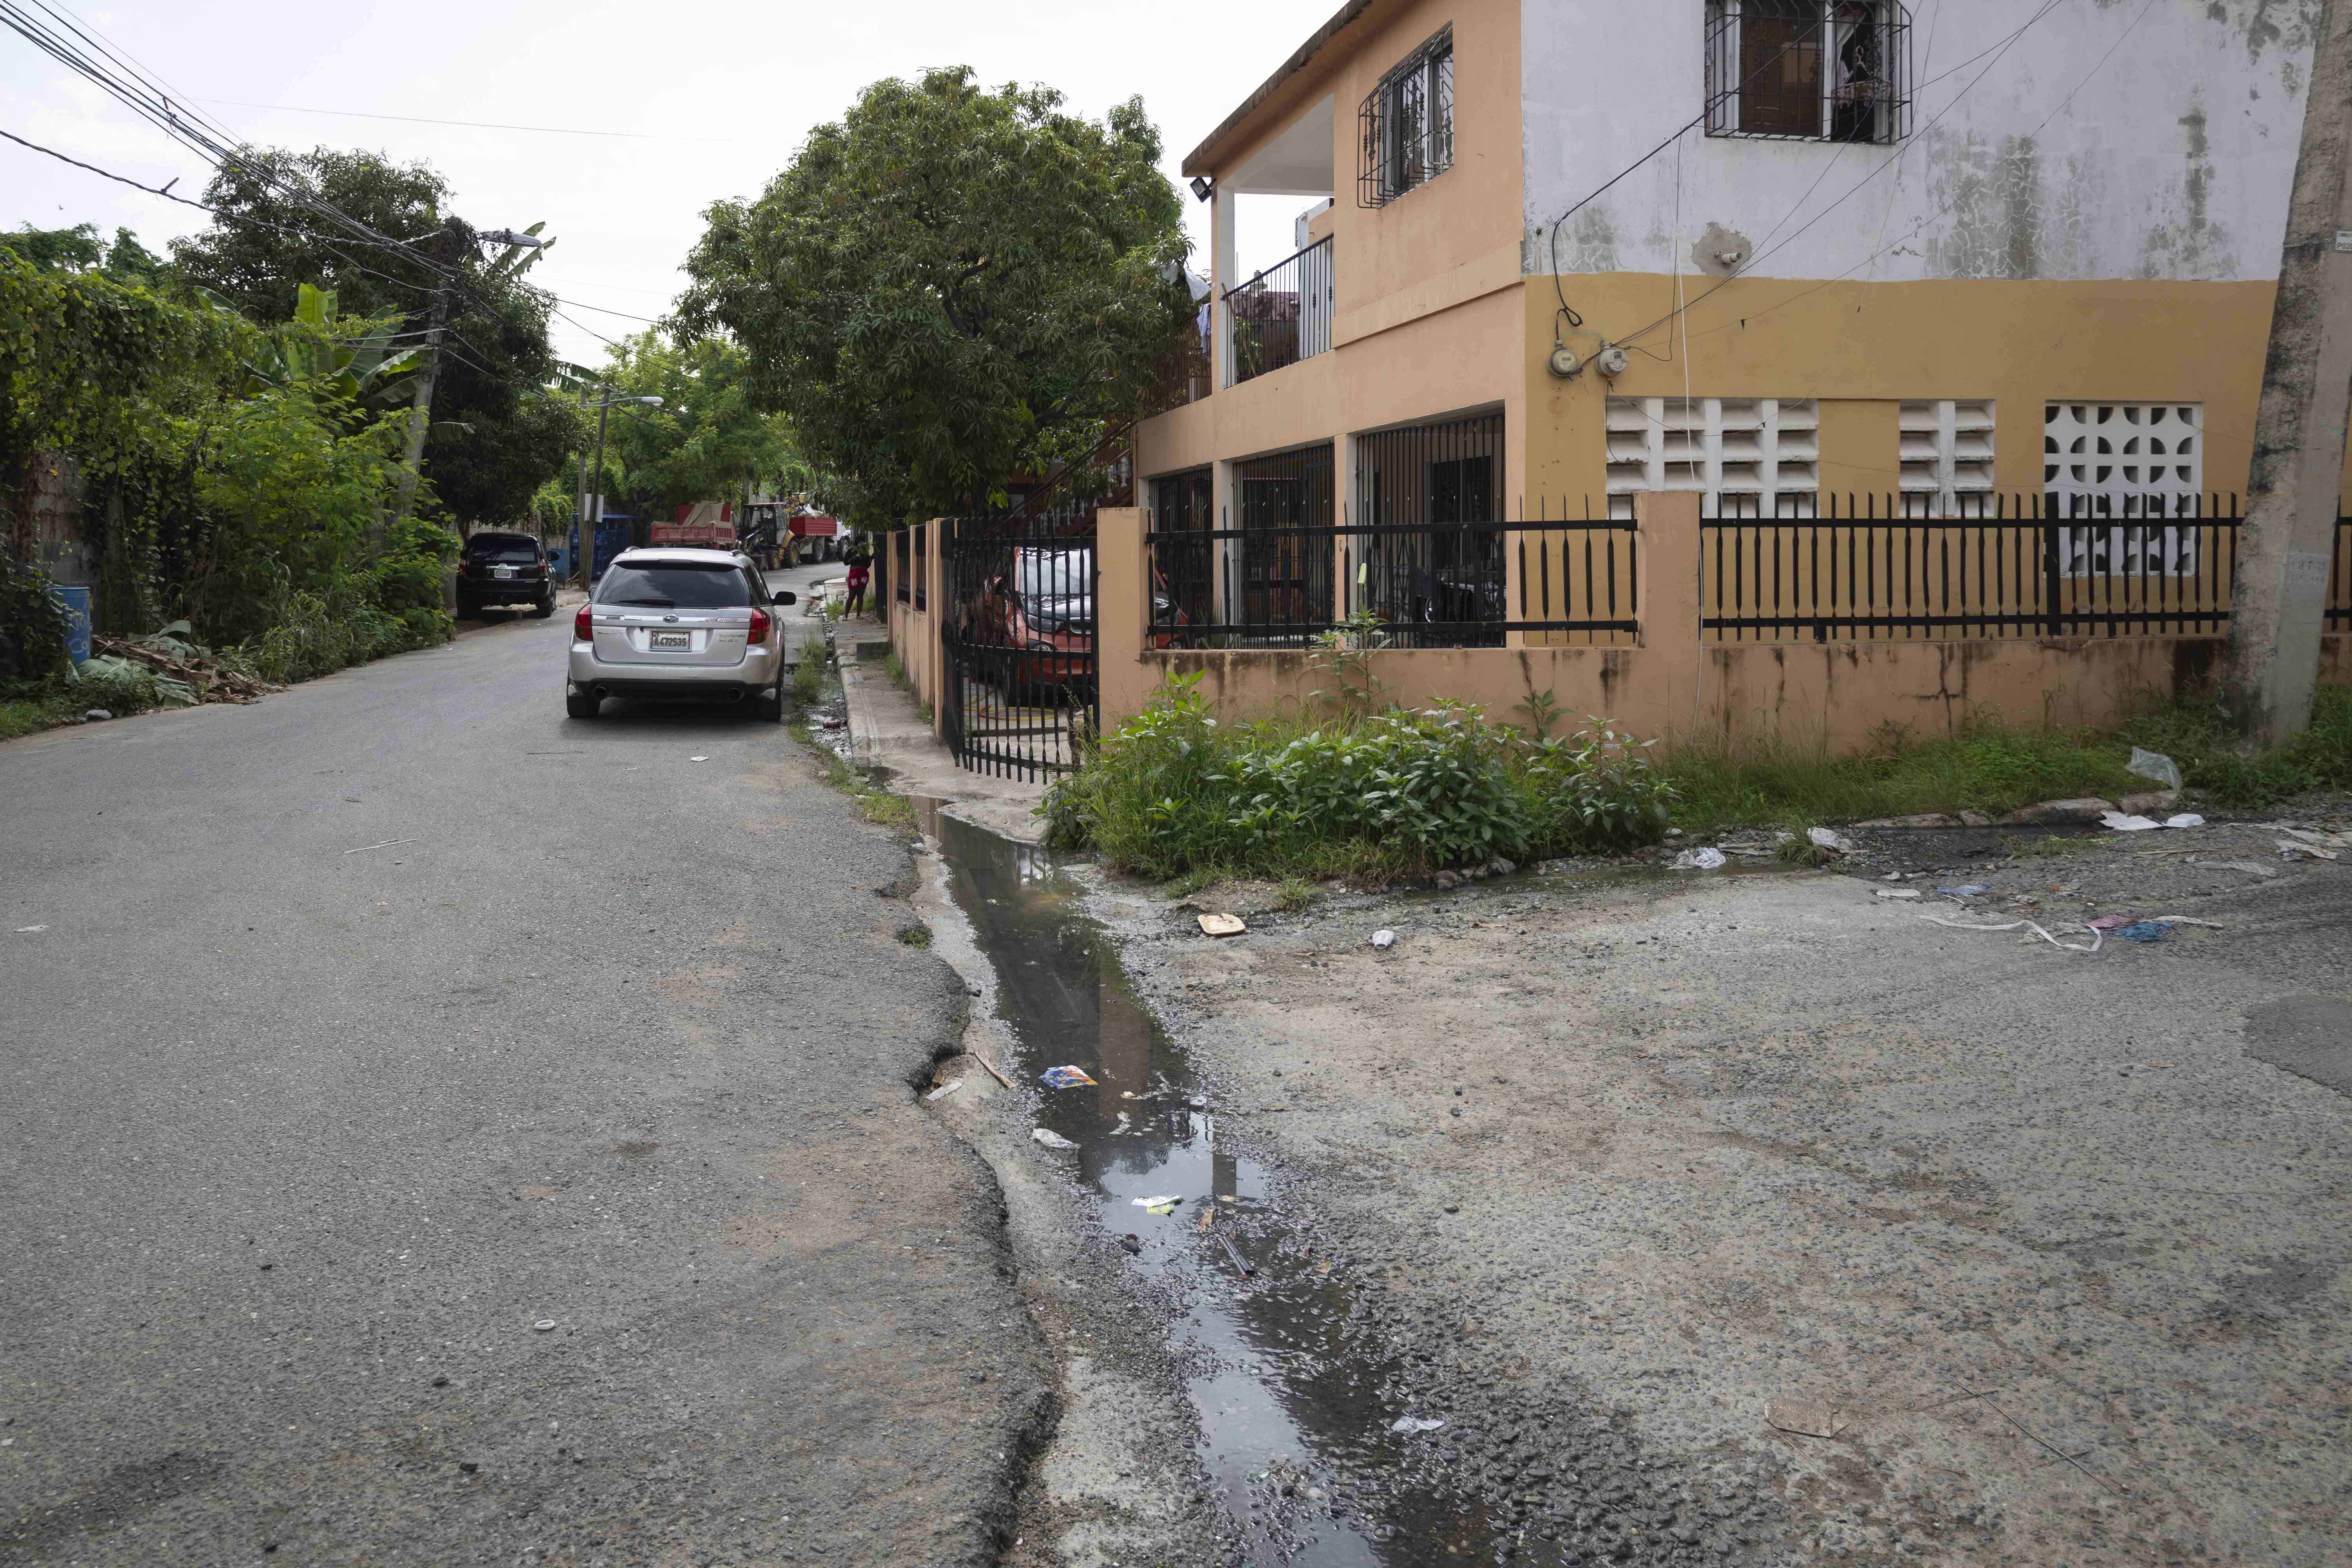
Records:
x=914, y=936
x=1387, y=794
x=897, y=671
x=1198, y=879
x=1988, y=766
x=1799, y=850
x=1294, y=894
x=808, y=677
x=878, y=806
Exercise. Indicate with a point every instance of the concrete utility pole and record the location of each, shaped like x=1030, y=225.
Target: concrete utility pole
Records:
x=420, y=410
x=2295, y=487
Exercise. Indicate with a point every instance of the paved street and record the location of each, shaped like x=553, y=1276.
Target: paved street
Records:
x=370, y=1026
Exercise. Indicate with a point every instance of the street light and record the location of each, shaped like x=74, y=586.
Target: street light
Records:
x=587, y=526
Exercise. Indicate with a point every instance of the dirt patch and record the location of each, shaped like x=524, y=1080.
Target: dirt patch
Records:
x=1672, y=1148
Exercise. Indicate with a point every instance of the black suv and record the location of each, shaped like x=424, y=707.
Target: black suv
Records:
x=504, y=569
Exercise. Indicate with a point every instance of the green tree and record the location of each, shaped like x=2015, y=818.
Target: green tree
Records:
x=708, y=439
x=950, y=286
x=493, y=441
x=75, y=249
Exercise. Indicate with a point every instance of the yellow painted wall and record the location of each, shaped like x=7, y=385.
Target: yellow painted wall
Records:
x=1862, y=347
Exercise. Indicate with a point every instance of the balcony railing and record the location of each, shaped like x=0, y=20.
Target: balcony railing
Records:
x=1280, y=316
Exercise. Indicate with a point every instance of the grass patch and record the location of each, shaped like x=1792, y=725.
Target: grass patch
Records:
x=1367, y=797
x=878, y=806
x=1294, y=894
x=1994, y=767
x=808, y=677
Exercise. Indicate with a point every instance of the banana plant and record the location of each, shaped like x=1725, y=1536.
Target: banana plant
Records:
x=316, y=346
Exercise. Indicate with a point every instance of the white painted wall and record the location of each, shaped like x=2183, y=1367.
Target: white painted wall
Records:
x=2171, y=159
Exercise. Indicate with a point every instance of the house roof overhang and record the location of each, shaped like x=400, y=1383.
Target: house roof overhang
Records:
x=1277, y=92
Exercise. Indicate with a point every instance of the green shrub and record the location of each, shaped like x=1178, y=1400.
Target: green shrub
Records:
x=2217, y=767
x=32, y=623
x=1392, y=791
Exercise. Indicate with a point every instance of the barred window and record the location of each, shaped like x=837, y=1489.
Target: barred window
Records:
x=1823, y=70
x=1408, y=124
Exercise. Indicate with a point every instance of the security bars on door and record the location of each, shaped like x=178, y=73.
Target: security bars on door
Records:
x=1282, y=315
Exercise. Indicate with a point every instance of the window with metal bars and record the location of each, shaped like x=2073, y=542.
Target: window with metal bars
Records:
x=1823, y=71
x=1407, y=125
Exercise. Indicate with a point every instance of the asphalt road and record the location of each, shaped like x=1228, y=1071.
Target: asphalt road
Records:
x=366, y=1028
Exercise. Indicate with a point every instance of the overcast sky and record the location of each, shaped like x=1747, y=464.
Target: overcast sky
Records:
x=727, y=90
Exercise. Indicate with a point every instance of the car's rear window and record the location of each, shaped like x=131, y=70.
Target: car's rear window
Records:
x=519, y=551
x=674, y=584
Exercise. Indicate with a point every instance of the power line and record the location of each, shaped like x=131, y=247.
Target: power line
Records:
x=166, y=193
x=479, y=124
x=1551, y=238
x=2002, y=49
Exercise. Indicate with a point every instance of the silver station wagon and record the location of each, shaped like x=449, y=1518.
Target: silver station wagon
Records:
x=680, y=626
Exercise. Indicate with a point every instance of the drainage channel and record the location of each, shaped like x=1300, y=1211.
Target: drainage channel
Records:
x=1290, y=1388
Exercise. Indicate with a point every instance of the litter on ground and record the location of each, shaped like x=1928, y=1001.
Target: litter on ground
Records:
x=1051, y=1139
x=2097, y=935
x=1697, y=861
x=1829, y=838
x=2146, y=930
x=1383, y=940
x=2288, y=851
x=1064, y=1078
x=2123, y=823
x=1407, y=1423
x=1967, y=890
x=2154, y=765
x=1164, y=1204
x=945, y=1090
x=2110, y=922
x=1220, y=925
x=1898, y=892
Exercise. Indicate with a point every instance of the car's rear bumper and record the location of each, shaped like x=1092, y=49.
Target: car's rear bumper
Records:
x=505, y=590
x=761, y=668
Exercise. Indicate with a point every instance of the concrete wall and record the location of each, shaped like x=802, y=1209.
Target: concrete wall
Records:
x=1672, y=684
x=2106, y=141
x=915, y=634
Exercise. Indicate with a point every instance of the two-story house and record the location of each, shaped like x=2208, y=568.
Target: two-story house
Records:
x=1768, y=250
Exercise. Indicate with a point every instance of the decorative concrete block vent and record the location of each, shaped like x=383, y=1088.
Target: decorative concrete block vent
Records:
x=1947, y=454
x=1755, y=455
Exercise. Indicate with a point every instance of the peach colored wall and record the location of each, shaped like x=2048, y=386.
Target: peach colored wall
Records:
x=1837, y=693
x=1464, y=215
x=1460, y=358
x=915, y=634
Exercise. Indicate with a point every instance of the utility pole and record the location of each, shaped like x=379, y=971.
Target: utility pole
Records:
x=587, y=538
x=2296, y=484
x=451, y=246
x=420, y=410
x=580, y=541
x=605, y=406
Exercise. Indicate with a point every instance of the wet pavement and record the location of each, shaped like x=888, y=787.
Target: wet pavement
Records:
x=1296, y=1396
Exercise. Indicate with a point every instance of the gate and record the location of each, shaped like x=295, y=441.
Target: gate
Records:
x=1018, y=690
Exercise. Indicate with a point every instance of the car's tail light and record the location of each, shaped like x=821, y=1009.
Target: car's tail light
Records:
x=584, y=625
x=759, y=624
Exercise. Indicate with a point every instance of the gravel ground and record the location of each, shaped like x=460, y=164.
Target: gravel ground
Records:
x=1750, y=1217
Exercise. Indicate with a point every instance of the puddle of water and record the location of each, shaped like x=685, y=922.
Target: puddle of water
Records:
x=1278, y=1363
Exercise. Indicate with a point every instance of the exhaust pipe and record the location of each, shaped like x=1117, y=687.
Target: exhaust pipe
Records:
x=602, y=692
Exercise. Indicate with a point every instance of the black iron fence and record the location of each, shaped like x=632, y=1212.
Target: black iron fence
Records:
x=1282, y=315
x=1018, y=691
x=1463, y=584
x=2012, y=566
x=899, y=573
x=918, y=570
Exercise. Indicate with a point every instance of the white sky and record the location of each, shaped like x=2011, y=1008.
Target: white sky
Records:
x=731, y=89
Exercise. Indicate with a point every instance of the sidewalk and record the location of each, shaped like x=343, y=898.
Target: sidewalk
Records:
x=887, y=729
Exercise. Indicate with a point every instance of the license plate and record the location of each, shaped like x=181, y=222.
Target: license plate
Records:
x=672, y=639
x=502, y=571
